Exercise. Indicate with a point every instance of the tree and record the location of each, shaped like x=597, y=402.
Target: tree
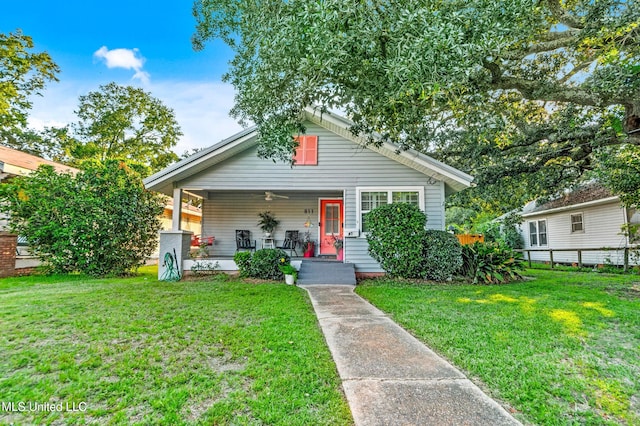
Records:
x=23, y=73
x=121, y=122
x=100, y=222
x=524, y=94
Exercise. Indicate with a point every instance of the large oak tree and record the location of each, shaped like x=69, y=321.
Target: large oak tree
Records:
x=23, y=74
x=524, y=94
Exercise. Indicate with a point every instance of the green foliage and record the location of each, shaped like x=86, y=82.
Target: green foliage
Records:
x=490, y=263
x=100, y=222
x=396, y=239
x=288, y=269
x=265, y=264
x=23, y=74
x=121, y=122
x=243, y=262
x=620, y=172
x=204, y=267
x=443, y=255
x=523, y=95
x=268, y=221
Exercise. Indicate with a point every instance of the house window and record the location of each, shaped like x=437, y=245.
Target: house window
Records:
x=307, y=151
x=538, y=233
x=577, y=224
x=370, y=198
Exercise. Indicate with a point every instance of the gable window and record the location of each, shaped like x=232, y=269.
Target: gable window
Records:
x=538, y=233
x=370, y=198
x=306, y=153
x=577, y=223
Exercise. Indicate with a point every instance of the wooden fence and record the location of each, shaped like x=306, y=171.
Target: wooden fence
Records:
x=625, y=250
x=469, y=238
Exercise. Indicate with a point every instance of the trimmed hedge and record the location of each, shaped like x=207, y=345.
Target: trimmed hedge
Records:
x=264, y=264
x=443, y=255
x=396, y=235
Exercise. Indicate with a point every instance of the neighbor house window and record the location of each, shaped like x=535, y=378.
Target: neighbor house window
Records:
x=538, y=233
x=577, y=223
x=307, y=151
x=370, y=198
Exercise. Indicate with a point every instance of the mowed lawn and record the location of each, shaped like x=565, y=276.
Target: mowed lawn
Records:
x=562, y=348
x=135, y=350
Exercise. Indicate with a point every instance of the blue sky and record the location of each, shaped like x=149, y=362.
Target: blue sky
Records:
x=140, y=43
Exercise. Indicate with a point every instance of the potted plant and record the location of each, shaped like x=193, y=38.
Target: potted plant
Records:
x=267, y=222
x=338, y=243
x=290, y=273
x=308, y=246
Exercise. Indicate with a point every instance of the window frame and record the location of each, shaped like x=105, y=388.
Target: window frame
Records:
x=571, y=222
x=389, y=190
x=537, y=234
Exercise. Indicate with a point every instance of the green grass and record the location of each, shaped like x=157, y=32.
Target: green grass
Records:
x=563, y=348
x=136, y=350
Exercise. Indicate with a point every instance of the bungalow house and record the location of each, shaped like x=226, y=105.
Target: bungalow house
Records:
x=336, y=179
x=587, y=219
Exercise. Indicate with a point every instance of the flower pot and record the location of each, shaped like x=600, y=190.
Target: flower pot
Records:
x=290, y=279
x=310, y=251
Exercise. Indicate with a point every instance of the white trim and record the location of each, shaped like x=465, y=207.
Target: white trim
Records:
x=389, y=190
x=572, y=207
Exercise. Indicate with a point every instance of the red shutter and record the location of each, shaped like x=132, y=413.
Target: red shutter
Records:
x=307, y=151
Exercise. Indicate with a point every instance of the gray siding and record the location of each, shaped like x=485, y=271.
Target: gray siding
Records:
x=342, y=167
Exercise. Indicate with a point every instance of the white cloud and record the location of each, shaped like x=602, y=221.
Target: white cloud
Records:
x=129, y=59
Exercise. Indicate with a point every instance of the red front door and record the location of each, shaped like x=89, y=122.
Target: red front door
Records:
x=330, y=225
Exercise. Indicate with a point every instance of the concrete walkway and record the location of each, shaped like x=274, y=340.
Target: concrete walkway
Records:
x=388, y=376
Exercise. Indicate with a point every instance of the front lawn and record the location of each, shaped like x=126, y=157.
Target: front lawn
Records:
x=135, y=350
x=563, y=348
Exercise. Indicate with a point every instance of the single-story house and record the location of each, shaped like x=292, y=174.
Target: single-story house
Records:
x=587, y=218
x=336, y=179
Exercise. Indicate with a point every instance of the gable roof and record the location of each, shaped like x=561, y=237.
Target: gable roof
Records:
x=587, y=195
x=162, y=181
x=18, y=163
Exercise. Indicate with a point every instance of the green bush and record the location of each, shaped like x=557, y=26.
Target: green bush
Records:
x=266, y=263
x=396, y=234
x=99, y=222
x=243, y=261
x=491, y=263
x=443, y=255
x=263, y=263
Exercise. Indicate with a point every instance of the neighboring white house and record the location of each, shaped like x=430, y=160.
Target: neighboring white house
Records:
x=589, y=217
x=336, y=179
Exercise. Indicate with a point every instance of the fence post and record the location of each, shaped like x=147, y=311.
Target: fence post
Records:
x=626, y=259
x=529, y=257
x=579, y=258
x=551, y=258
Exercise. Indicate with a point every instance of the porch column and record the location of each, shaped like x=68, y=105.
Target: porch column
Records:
x=174, y=249
x=177, y=209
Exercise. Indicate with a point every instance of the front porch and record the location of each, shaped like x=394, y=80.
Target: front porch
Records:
x=315, y=215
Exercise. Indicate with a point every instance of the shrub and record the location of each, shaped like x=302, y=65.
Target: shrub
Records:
x=443, y=255
x=265, y=263
x=99, y=222
x=491, y=263
x=243, y=261
x=396, y=239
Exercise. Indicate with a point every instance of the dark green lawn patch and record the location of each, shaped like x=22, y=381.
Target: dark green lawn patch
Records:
x=136, y=350
x=561, y=348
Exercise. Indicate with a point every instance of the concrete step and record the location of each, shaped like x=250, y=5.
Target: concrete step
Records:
x=326, y=272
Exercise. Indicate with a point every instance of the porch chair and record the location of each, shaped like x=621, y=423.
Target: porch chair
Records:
x=290, y=242
x=243, y=240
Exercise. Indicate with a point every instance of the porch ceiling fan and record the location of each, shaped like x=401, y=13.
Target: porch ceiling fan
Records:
x=270, y=196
